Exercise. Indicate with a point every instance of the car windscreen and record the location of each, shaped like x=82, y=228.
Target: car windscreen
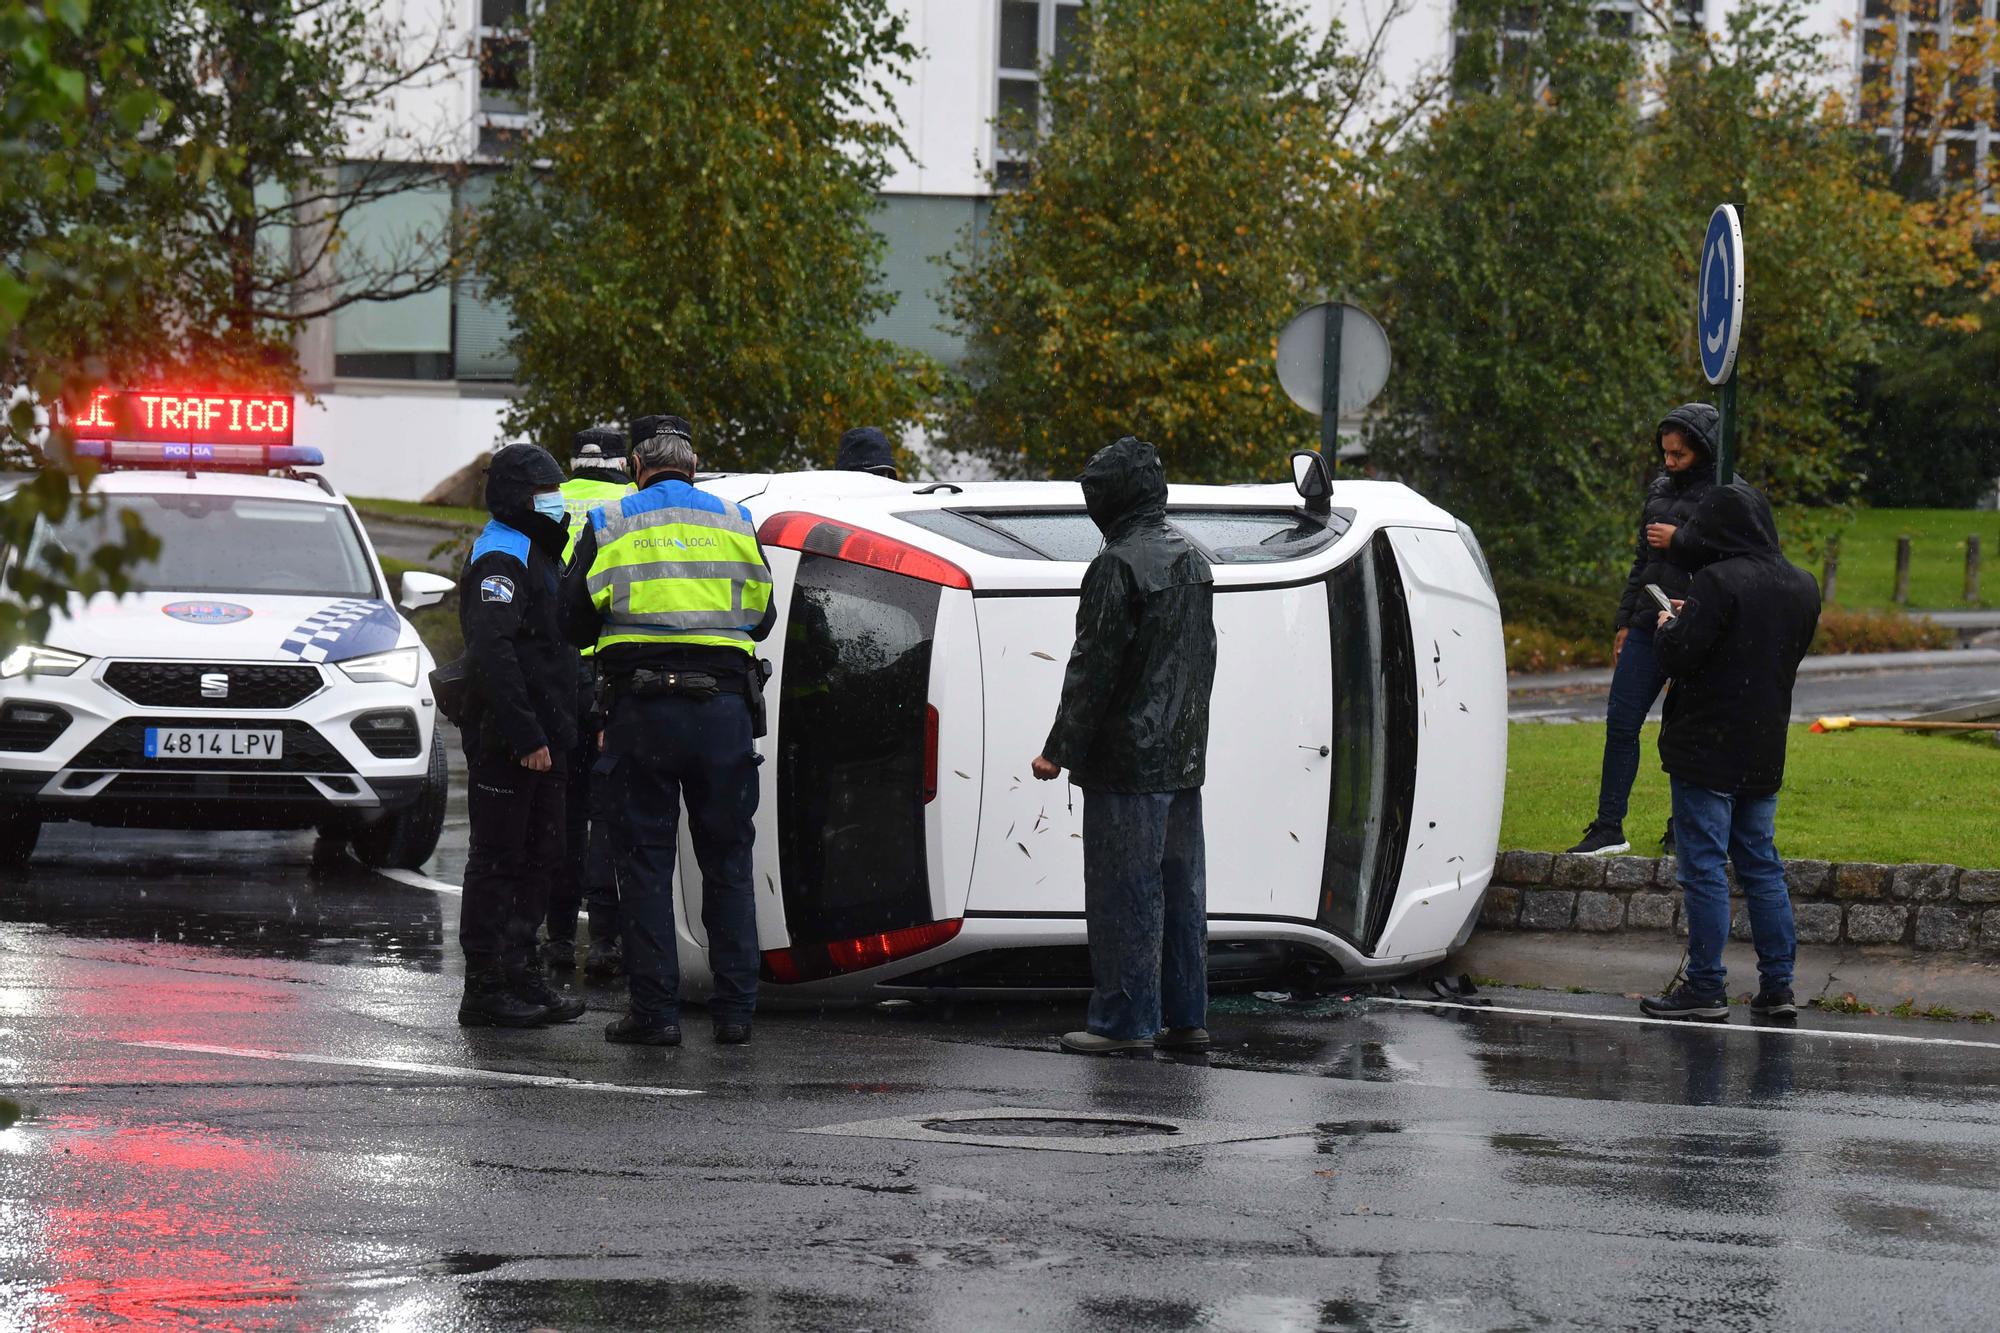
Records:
x=225, y=544
x=1231, y=536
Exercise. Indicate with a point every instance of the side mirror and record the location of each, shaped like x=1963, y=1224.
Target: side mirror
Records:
x=1314, y=482
x=421, y=588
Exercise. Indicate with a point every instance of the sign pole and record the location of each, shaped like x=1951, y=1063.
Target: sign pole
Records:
x=1725, y=465
x=1329, y=409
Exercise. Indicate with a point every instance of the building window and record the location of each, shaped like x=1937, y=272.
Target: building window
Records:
x=1033, y=33
x=505, y=63
x=407, y=338
x=1479, y=70
x=1930, y=82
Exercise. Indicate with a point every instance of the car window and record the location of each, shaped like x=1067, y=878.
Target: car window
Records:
x=226, y=544
x=1231, y=536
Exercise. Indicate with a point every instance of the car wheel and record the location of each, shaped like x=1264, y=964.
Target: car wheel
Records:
x=20, y=830
x=405, y=840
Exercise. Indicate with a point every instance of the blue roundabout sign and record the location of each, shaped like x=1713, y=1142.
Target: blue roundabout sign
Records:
x=1719, y=316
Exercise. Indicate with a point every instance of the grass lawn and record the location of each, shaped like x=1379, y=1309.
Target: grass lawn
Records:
x=1937, y=557
x=471, y=518
x=1849, y=796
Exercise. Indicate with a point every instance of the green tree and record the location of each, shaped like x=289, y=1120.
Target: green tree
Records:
x=688, y=228
x=1200, y=178
x=1527, y=293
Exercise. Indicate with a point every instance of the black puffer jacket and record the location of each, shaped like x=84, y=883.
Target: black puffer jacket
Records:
x=521, y=673
x=1671, y=498
x=1134, y=710
x=1734, y=649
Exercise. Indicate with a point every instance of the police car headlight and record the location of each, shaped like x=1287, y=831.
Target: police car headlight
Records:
x=396, y=668
x=37, y=659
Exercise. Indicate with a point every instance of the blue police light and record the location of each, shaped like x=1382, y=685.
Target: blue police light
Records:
x=207, y=457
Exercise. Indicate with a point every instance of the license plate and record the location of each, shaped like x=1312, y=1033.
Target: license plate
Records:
x=213, y=743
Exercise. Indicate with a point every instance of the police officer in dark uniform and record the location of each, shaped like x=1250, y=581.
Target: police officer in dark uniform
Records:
x=866, y=449
x=597, y=477
x=520, y=723
x=671, y=587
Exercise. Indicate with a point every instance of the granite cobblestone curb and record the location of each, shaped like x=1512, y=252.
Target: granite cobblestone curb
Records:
x=1925, y=908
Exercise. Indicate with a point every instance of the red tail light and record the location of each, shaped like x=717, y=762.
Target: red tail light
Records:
x=810, y=962
x=796, y=531
x=930, y=752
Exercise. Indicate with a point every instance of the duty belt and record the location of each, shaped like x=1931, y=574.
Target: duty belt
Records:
x=646, y=683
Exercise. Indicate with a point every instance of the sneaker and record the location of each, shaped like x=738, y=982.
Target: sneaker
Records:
x=1182, y=1039
x=1685, y=1002
x=1602, y=840
x=633, y=1030
x=1774, y=1002
x=1091, y=1043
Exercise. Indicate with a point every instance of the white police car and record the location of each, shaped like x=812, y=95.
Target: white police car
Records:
x=1357, y=752
x=260, y=678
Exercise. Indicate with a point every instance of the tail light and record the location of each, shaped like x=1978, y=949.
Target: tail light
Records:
x=930, y=752
x=814, y=535
x=810, y=962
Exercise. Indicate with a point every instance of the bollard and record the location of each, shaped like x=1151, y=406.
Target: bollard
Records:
x=1829, y=573
x=1972, y=568
x=1902, y=594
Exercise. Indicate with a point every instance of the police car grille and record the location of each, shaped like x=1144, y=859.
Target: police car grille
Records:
x=123, y=745
x=179, y=684
x=216, y=786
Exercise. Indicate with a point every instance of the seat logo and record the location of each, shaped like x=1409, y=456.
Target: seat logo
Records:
x=214, y=685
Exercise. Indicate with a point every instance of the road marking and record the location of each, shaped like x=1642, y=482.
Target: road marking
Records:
x=1682, y=1023
x=413, y=1067
x=420, y=881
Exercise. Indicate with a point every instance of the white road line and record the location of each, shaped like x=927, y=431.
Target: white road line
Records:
x=1760, y=1029
x=413, y=1067
x=420, y=881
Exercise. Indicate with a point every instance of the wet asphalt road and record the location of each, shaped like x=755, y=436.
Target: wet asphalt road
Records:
x=1433, y=1168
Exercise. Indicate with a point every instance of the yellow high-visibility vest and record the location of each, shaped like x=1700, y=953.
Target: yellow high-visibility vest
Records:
x=677, y=565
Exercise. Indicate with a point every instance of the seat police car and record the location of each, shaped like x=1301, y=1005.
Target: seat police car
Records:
x=259, y=677
x=1357, y=748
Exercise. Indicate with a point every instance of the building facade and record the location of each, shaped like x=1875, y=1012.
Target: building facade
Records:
x=410, y=391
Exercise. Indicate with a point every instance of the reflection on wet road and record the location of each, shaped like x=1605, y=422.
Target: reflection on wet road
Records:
x=174, y=1166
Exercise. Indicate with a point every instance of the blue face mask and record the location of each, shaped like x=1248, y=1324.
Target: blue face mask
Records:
x=550, y=505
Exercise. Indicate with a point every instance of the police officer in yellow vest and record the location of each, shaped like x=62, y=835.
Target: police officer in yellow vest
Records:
x=670, y=586
x=598, y=476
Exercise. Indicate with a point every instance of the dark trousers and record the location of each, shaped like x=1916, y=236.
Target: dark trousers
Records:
x=1145, y=906
x=587, y=875
x=1635, y=683
x=661, y=750
x=516, y=855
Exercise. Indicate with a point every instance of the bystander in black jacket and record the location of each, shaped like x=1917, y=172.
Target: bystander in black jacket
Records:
x=1734, y=649
x=1671, y=498
x=1135, y=699
x=521, y=673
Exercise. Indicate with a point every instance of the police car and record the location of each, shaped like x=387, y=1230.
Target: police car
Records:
x=260, y=678
x=1357, y=750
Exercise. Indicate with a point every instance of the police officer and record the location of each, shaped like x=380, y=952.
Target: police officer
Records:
x=520, y=725
x=866, y=449
x=671, y=586
x=598, y=476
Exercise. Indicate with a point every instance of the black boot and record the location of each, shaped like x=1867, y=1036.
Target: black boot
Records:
x=560, y=954
x=490, y=1003
x=531, y=985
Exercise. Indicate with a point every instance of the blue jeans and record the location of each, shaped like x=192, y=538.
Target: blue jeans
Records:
x=1145, y=902
x=659, y=751
x=1713, y=829
x=1635, y=683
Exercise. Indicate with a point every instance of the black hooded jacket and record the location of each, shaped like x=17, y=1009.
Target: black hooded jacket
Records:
x=1734, y=649
x=1671, y=498
x=521, y=672
x=1134, y=710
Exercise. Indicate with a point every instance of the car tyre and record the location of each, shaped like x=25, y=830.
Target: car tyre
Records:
x=405, y=839
x=20, y=830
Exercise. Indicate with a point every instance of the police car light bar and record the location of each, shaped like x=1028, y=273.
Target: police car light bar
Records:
x=207, y=457
x=172, y=417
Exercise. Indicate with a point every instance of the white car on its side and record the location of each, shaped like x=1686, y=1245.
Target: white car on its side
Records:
x=260, y=678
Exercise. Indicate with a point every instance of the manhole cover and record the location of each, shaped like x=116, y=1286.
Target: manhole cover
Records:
x=1052, y=1127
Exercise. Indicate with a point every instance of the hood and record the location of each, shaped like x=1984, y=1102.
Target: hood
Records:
x=864, y=449
x=1124, y=486
x=1730, y=522
x=222, y=627
x=512, y=478
x=1700, y=423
